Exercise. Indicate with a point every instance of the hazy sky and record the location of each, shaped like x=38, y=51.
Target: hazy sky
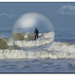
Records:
x=62, y=15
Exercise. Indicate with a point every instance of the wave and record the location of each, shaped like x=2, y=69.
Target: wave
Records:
x=6, y=43
x=27, y=39
x=58, y=50
x=30, y=36
x=3, y=44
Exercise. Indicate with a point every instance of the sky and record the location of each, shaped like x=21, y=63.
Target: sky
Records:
x=62, y=15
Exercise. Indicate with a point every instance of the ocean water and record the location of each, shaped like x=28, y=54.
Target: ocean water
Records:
x=59, y=58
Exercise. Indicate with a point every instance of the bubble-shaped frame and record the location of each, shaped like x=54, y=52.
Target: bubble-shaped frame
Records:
x=23, y=32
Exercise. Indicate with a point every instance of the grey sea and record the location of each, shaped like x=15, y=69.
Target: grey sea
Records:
x=59, y=58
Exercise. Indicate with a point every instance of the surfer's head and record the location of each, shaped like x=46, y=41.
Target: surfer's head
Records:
x=35, y=28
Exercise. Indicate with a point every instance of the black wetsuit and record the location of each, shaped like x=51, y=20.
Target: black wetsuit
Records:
x=36, y=34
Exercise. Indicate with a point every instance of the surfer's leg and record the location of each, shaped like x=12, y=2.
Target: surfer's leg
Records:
x=35, y=37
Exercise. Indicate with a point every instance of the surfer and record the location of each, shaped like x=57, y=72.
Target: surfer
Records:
x=36, y=33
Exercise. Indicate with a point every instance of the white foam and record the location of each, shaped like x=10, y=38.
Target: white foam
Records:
x=56, y=51
x=26, y=35
x=10, y=42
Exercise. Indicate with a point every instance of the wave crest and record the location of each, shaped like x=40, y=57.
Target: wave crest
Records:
x=58, y=50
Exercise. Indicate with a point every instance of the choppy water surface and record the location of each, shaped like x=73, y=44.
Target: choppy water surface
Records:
x=37, y=65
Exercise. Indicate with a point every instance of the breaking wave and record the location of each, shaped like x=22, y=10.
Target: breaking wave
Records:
x=58, y=50
x=44, y=38
x=5, y=42
x=26, y=40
